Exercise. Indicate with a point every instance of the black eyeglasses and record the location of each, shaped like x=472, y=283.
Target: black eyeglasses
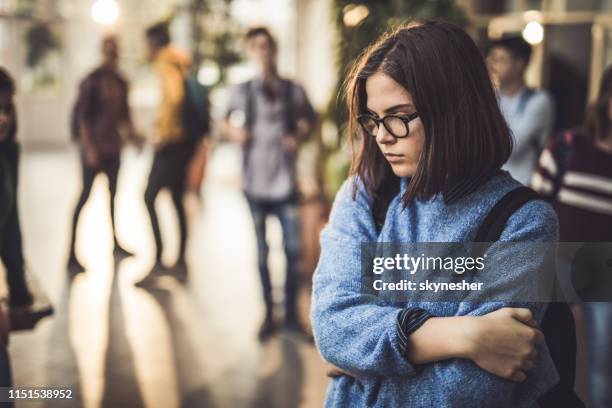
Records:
x=396, y=125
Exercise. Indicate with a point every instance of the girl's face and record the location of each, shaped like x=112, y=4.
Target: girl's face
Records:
x=385, y=97
x=7, y=115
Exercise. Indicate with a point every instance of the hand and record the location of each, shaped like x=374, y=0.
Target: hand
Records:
x=289, y=143
x=92, y=158
x=503, y=342
x=333, y=371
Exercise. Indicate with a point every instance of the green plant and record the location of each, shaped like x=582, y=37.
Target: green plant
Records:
x=40, y=40
x=214, y=35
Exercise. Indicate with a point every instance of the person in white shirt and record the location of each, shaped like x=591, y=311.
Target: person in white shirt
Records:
x=528, y=112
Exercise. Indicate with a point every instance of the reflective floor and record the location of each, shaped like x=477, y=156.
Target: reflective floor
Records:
x=191, y=345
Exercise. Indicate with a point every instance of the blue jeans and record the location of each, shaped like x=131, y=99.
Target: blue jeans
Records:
x=598, y=320
x=287, y=213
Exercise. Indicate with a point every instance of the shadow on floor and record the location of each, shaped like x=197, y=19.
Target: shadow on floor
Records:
x=191, y=389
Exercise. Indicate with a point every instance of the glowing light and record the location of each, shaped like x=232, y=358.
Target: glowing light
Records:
x=533, y=33
x=105, y=12
x=209, y=74
x=354, y=14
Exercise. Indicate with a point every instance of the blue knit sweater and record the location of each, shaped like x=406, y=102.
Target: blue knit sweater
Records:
x=358, y=334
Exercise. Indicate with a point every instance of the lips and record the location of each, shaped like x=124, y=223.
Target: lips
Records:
x=394, y=158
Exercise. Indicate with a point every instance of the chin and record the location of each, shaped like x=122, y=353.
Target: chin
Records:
x=403, y=170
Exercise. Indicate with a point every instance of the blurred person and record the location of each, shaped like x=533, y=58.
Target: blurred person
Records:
x=23, y=309
x=419, y=100
x=100, y=119
x=173, y=141
x=274, y=117
x=575, y=171
x=529, y=112
x=5, y=210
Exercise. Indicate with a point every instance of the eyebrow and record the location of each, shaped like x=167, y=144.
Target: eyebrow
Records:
x=395, y=108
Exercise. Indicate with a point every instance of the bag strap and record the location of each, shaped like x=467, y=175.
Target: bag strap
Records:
x=524, y=98
x=250, y=103
x=381, y=202
x=493, y=225
x=557, y=323
x=289, y=109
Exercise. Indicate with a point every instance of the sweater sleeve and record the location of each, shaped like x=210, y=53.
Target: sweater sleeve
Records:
x=355, y=332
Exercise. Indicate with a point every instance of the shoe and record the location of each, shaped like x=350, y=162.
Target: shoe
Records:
x=25, y=317
x=296, y=329
x=267, y=329
x=74, y=266
x=158, y=270
x=120, y=252
x=23, y=298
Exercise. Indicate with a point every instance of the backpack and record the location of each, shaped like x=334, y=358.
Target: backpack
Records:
x=558, y=322
x=524, y=98
x=195, y=110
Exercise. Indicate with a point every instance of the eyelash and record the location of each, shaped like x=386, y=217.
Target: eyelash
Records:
x=390, y=113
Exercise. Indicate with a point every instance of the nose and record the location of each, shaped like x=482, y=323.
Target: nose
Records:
x=383, y=136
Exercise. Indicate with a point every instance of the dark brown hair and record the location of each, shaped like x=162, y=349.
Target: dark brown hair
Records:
x=466, y=136
x=7, y=86
x=515, y=45
x=159, y=33
x=598, y=120
x=257, y=31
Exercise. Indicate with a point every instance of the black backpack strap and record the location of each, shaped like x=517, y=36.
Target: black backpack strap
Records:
x=249, y=114
x=524, y=98
x=493, y=225
x=558, y=322
x=289, y=109
x=381, y=202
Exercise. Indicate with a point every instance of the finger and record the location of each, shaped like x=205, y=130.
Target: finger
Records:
x=523, y=315
x=332, y=372
x=518, y=376
x=539, y=337
x=531, y=323
x=337, y=372
x=532, y=354
x=528, y=365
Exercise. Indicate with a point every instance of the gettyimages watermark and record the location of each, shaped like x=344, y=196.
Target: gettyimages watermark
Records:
x=488, y=272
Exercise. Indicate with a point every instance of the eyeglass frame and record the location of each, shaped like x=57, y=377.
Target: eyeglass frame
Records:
x=406, y=119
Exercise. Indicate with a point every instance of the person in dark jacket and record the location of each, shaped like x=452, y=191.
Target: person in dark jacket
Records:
x=575, y=172
x=24, y=311
x=101, y=116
